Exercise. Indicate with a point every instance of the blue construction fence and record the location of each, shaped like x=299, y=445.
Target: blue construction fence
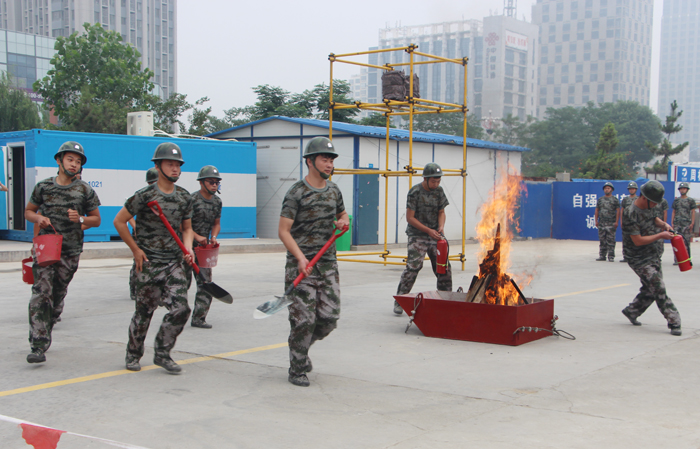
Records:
x=566, y=210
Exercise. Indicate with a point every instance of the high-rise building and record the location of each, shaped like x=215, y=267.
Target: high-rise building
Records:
x=678, y=69
x=148, y=25
x=25, y=57
x=593, y=50
x=501, y=68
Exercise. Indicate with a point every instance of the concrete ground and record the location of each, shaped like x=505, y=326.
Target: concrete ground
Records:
x=373, y=386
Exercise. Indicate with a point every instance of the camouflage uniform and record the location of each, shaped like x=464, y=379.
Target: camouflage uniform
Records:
x=426, y=205
x=626, y=202
x=204, y=214
x=315, y=309
x=51, y=282
x=682, y=219
x=607, y=225
x=658, y=211
x=162, y=279
x=645, y=260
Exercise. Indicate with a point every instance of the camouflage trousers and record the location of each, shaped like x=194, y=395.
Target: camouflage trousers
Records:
x=313, y=314
x=606, y=235
x=158, y=282
x=687, y=235
x=132, y=282
x=654, y=290
x=417, y=248
x=202, y=300
x=46, y=304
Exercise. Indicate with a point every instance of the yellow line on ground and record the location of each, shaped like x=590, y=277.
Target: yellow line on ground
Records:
x=76, y=380
x=588, y=291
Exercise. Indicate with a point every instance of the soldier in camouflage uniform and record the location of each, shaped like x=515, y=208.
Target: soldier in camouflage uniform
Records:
x=206, y=220
x=160, y=265
x=639, y=231
x=68, y=205
x=425, y=214
x=683, y=216
x=151, y=177
x=626, y=201
x=306, y=224
x=607, y=215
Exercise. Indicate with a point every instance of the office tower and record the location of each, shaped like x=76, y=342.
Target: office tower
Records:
x=678, y=69
x=501, y=69
x=148, y=25
x=593, y=50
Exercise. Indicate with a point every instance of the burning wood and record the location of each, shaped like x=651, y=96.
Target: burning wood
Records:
x=492, y=286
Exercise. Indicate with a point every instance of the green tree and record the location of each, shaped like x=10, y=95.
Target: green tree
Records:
x=451, y=123
x=89, y=115
x=666, y=148
x=606, y=164
x=17, y=111
x=99, y=64
x=512, y=131
x=376, y=119
x=568, y=136
x=319, y=97
x=166, y=114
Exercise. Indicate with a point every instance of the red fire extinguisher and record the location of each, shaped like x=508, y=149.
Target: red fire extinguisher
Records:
x=681, y=253
x=443, y=251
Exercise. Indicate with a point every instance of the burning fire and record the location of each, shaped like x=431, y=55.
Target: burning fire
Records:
x=495, y=234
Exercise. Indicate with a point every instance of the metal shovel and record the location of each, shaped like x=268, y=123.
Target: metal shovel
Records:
x=210, y=287
x=271, y=307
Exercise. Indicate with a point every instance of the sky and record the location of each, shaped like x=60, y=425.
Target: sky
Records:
x=225, y=48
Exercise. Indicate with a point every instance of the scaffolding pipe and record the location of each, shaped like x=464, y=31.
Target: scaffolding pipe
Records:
x=413, y=106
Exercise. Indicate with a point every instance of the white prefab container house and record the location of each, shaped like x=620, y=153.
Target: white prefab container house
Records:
x=280, y=146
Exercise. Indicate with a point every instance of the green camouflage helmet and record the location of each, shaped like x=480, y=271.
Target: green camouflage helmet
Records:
x=608, y=184
x=684, y=185
x=320, y=145
x=632, y=185
x=432, y=170
x=168, y=151
x=71, y=147
x=653, y=191
x=208, y=171
x=152, y=175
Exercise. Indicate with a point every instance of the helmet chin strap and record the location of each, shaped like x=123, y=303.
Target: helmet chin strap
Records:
x=169, y=178
x=69, y=173
x=324, y=175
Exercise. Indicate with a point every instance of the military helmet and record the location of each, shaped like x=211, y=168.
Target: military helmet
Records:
x=320, y=145
x=71, y=147
x=632, y=185
x=653, y=191
x=168, y=151
x=684, y=185
x=432, y=170
x=608, y=184
x=152, y=175
x=208, y=171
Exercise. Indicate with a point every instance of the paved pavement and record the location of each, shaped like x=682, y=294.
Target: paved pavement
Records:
x=373, y=386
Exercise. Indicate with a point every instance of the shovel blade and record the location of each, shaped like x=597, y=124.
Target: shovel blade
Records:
x=271, y=307
x=218, y=292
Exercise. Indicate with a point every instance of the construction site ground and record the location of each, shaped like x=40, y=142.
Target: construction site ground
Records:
x=372, y=385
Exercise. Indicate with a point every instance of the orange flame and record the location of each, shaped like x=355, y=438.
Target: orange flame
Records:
x=501, y=208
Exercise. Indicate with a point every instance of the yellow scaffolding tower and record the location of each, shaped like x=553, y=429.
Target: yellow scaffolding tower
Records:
x=410, y=106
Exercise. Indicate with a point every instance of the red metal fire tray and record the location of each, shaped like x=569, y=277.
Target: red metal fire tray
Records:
x=449, y=315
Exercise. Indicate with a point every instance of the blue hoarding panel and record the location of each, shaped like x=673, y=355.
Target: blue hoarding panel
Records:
x=116, y=167
x=687, y=173
x=536, y=211
x=574, y=203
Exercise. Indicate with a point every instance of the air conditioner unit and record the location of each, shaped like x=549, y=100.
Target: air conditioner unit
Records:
x=139, y=123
